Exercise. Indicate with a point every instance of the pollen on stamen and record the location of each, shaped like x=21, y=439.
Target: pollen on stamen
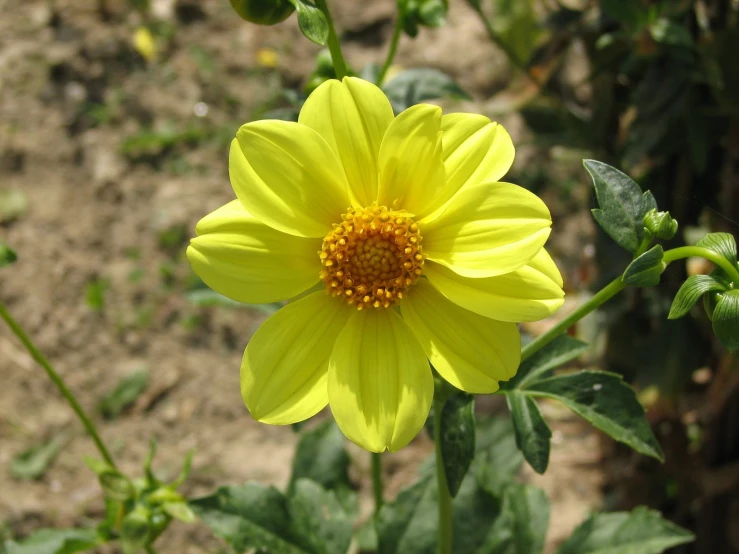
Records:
x=372, y=257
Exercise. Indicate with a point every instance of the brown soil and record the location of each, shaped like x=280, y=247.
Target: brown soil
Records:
x=72, y=91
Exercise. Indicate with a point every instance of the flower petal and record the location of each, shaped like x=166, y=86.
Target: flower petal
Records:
x=379, y=382
x=529, y=293
x=285, y=366
x=474, y=149
x=352, y=115
x=471, y=352
x=250, y=262
x=288, y=177
x=411, y=168
x=487, y=229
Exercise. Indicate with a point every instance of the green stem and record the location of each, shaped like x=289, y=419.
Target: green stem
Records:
x=444, y=544
x=698, y=251
x=513, y=58
x=377, y=481
x=58, y=381
x=393, y=43
x=605, y=294
x=333, y=42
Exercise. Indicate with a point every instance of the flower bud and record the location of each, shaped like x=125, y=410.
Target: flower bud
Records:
x=660, y=224
x=263, y=12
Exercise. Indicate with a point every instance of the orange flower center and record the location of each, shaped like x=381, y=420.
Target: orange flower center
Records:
x=372, y=257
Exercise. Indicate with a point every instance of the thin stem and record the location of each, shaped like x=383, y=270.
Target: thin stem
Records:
x=444, y=544
x=393, y=43
x=500, y=43
x=333, y=42
x=377, y=481
x=698, y=251
x=58, y=381
x=605, y=294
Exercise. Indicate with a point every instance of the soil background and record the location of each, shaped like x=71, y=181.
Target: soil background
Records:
x=110, y=160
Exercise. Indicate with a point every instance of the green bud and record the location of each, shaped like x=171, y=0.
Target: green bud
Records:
x=314, y=82
x=135, y=530
x=325, y=64
x=263, y=12
x=660, y=224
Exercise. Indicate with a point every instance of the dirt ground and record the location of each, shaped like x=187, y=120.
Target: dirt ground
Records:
x=100, y=282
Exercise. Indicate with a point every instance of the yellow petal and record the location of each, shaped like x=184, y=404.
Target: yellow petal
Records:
x=250, y=262
x=529, y=293
x=379, y=382
x=352, y=115
x=288, y=177
x=474, y=149
x=471, y=352
x=411, y=168
x=487, y=229
x=285, y=366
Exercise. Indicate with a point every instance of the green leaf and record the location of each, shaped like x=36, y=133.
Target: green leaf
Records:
x=726, y=320
x=416, y=85
x=125, y=394
x=628, y=12
x=498, y=459
x=558, y=352
x=250, y=516
x=641, y=531
x=645, y=271
x=457, y=438
x=116, y=486
x=607, y=402
x=135, y=530
x=321, y=457
x=319, y=522
x=312, y=22
x=180, y=511
x=55, y=541
x=33, y=462
x=667, y=32
x=432, y=13
x=522, y=525
x=622, y=204
x=7, y=255
x=690, y=292
x=723, y=244
x=532, y=432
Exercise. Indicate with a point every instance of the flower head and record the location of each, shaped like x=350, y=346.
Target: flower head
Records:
x=404, y=246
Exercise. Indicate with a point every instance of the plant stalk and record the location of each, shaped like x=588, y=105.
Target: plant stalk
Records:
x=444, y=544
x=698, y=251
x=333, y=42
x=377, y=481
x=393, y=43
x=59, y=382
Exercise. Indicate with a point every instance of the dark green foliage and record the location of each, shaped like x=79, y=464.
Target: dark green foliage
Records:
x=532, y=432
x=457, y=438
x=645, y=271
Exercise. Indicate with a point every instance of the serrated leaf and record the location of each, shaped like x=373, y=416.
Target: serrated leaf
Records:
x=641, y=531
x=55, y=541
x=533, y=435
x=312, y=22
x=33, y=462
x=622, y=204
x=645, y=271
x=726, y=320
x=250, y=516
x=318, y=521
x=322, y=457
x=457, y=438
x=555, y=354
x=7, y=255
x=414, y=86
x=607, y=402
x=723, y=244
x=690, y=292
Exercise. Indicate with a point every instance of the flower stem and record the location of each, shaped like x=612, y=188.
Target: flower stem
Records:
x=698, y=251
x=377, y=481
x=59, y=382
x=333, y=42
x=393, y=43
x=444, y=544
x=605, y=294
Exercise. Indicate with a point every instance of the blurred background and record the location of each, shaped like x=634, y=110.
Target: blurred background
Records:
x=115, y=120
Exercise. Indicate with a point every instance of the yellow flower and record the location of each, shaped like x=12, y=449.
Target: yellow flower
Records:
x=424, y=254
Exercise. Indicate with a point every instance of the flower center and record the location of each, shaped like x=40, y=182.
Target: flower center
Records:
x=372, y=257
